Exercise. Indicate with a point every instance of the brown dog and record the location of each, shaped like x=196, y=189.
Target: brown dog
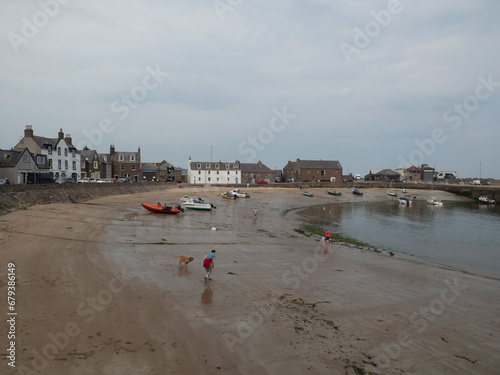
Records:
x=183, y=259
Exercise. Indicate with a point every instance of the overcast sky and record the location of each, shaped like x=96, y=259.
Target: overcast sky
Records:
x=373, y=84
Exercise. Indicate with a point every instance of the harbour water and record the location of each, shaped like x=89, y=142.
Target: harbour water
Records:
x=463, y=235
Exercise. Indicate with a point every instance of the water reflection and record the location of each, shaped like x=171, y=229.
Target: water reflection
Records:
x=465, y=235
x=207, y=295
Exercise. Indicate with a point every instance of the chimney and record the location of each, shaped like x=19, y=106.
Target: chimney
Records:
x=28, y=132
x=68, y=139
x=61, y=134
x=259, y=163
x=111, y=150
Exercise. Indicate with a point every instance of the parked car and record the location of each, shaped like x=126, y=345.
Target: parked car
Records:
x=476, y=182
x=486, y=183
x=65, y=180
x=261, y=182
x=84, y=180
x=104, y=181
x=123, y=180
x=4, y=182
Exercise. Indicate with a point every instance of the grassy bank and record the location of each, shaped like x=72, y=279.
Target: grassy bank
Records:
x=306, y=228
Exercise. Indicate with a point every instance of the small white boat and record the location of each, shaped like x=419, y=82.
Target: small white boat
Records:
x=193, y=204
x=484, y=199
x=392, y=194
x=186, y=198
x=434, y=201
x=239, y=194
x=404, y=200
x=405, y=191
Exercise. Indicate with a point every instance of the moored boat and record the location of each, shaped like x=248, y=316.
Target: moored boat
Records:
x=239, y=194
x=334, y=192
x=193, y=204
x=404, y=200
x=391, y=193
x=228, y=195
x=485, y=200
x=357, y=192
x=160, y=209
x=307, y=194
x=434, y=201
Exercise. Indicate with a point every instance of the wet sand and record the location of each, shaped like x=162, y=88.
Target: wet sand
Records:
x=99, y=292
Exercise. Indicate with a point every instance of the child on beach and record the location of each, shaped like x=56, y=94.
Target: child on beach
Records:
x=208, y=264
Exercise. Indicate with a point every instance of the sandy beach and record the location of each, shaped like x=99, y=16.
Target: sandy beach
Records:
x=99, y=291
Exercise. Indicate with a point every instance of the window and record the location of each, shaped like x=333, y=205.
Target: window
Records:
x=133, y=167
x=199, y=172
x=96, y=165
x=322, y=173
x=217, y=178
x=217, y=172
x=235, y=166
x=132, y=157
x=73, y=153
x=74, y=165
x=227, y=172
x=65, y=152
x=216, y=166
x=120, y=157
x=40, y=160
x=59, y=151
x=207, y=165
x=49, y=148
x=50, y=163
x=199, y=178
x=227, y=166
x=65, y=164
x=198, y=165
x=122, y=167
x=208, y=172
x=209, y=179
x=228, y=178
x=59, y=164
x=25, y=158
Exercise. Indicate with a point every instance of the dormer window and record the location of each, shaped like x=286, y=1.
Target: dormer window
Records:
x=120, y=158
x=216, y=166
x=49, y=149
x=132, y=157
x=227, y=166
x=208, y=165
x=198, y=165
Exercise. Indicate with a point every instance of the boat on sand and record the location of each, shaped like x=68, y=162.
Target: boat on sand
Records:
x=160, y=209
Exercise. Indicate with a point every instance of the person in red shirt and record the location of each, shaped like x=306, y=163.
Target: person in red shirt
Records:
x=327, y=236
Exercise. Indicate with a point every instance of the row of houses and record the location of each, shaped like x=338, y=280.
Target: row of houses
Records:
x=35, y=158
x=424, y=173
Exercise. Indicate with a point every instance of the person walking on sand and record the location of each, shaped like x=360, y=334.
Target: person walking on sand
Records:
x=255, y=212
x=208, y=264
x=327, y=237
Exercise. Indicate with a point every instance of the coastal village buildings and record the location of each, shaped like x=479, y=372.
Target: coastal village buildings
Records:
x=313, y=170
x=126, y=164
x=252, y=172
x=213, y=172
x=21, y=166
x=386, y=175
x=63, y=158
x=162, y=172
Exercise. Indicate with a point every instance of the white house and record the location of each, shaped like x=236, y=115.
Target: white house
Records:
x=204, y=172
x=63, y=158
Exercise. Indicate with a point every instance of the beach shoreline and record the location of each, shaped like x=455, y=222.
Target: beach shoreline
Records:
x=100, y=291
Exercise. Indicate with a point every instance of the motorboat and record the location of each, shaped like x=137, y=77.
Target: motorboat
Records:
x=357, y=192
x=404, y=200
x=228, y=195
x=239, y=194
x=485, y=200
x=194, y=204
x=161, y=209
x=405, y=191
x=186, y=198
x=391, y=193
x=334, y=192
x=434, y=201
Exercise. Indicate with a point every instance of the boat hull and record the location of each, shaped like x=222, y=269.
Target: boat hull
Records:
x=159, y=209
x=337, y=193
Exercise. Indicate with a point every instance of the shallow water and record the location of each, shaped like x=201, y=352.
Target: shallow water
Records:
x=465, y=235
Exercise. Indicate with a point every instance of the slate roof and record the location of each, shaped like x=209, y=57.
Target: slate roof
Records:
x=44, y=142
x=149, y=167
x=319, y=164
x=126, y=157
x=254, y=168
x=222, y=165
x=87, y=155
x=14, y=157
x=387, y=172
